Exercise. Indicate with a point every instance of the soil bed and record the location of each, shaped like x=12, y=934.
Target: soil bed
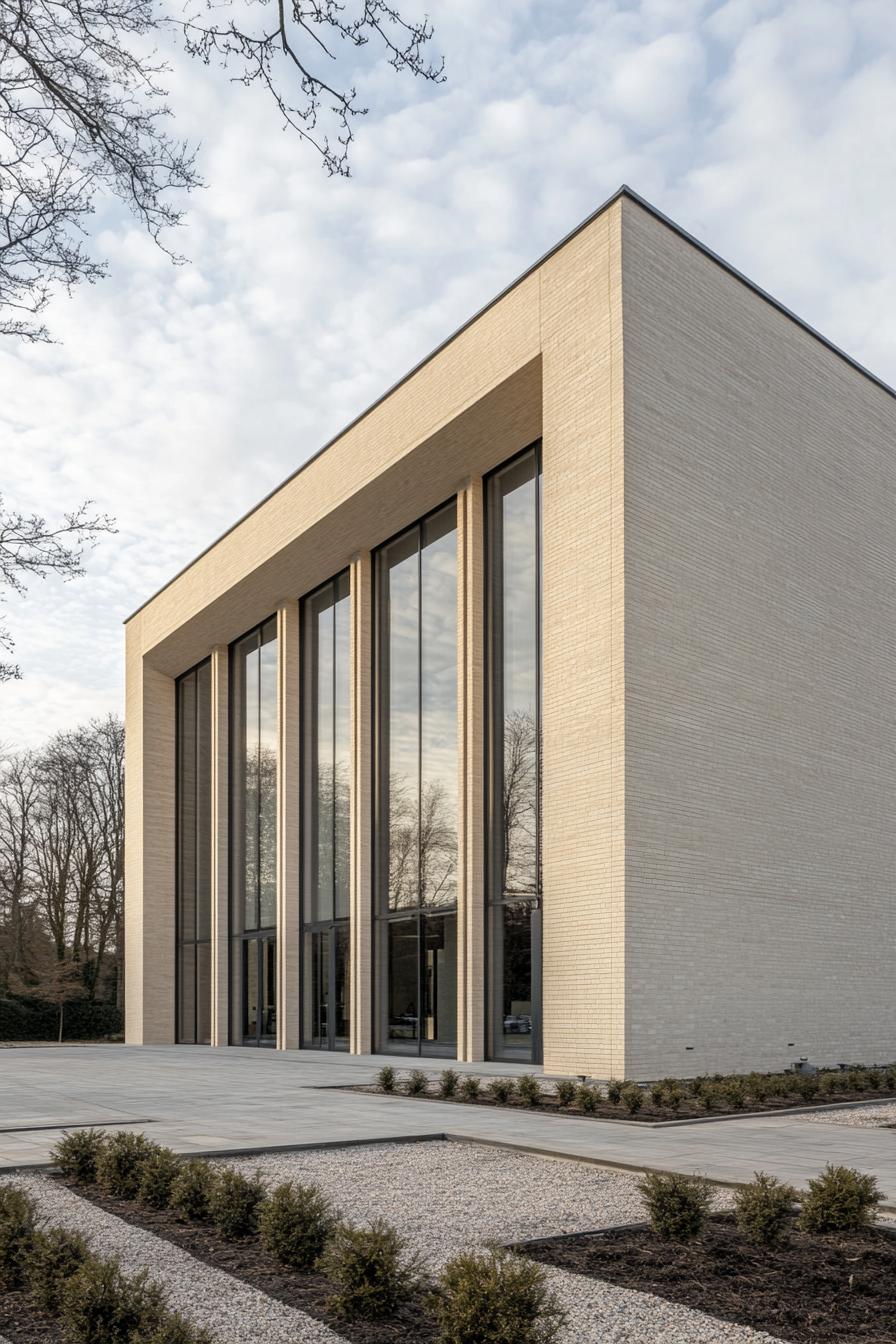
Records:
x=812, y=1290
x=690, y=1109
x=247, y=1261
x=21, y=1323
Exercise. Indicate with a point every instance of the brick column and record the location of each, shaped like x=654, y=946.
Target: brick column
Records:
x=288, y=912
x=220, y=842
x=361, y=934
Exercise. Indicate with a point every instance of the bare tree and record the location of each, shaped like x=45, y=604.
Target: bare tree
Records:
x=31, y=547
x=83, y=114
x=18, y=789
x=520, y=803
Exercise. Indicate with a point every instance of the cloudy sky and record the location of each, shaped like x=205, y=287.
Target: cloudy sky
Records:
x=176, y=398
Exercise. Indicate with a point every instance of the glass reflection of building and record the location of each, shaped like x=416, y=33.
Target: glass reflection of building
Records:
x=415, y=813
x=326, y=765
x=253, y=865
x=513, y=614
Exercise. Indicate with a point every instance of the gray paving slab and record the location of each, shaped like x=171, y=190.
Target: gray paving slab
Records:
x=200, y=1099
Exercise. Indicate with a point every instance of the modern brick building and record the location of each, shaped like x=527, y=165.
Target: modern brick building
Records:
x=549, y=712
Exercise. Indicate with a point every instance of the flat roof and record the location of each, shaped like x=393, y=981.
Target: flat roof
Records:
x=595, y=214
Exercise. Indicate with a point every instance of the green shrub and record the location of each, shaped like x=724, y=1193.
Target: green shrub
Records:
x=734, y=1092
x=806, y=1085
x=566, y=1092
x=841, y=1199
x=632, y=1098
x=677, y=1206
x=657, y=1092
x=294, y=1223
x=156, y=1177
x=496, y=1298
x=102, y=1305
x=828, y=1083
x=370, y=1269
x=757, y=1085
x=673, y=1098
x=856, y=1080
x=234, y=1202
x=385, y=1079
x=173, y=1329
x=874, y=1079
x=708, y=1096
x=500, y=1090
x=18, y=1230
x=55, y=1256
x=119, y=1163
x=76, y=1154
x=764, y=1209
x=890, y=1079
x=190, y=1190
x=528, y=1089
x=614, y=1091
x=448, y=1080
x=416, y=1083
x=588, y=1097
x=469, y=1087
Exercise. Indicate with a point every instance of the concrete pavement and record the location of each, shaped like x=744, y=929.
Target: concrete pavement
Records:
x=198, y=1099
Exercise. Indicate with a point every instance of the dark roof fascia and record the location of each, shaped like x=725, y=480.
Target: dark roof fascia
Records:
x=595, y=214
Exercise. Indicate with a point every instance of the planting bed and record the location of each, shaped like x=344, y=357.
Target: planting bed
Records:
x=22, y=1324
x=689, y=1107
x=811, y=1290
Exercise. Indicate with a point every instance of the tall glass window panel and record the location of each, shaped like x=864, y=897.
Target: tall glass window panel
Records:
x=326, y=771
x=514, y=750
x=253, y=778
x=417, y=800
x=193, y=844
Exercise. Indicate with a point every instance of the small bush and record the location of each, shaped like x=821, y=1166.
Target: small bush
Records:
x=632, y=1098
x=173, y=1329
x=614, y=1091
x=734, y=1092
x=677, y=1206
x=119, y=1164
x=234, y=1203
x=76, y=1154
x=55, y=1256
x=673, y=1098
x=757, y=1086
x=102, y=1305
x=448, y=1080
x=890, y=1079
x=588, y=1097
x=857, y=1080
x=841, y=1199
x=828, y=1083
x=566, y=1092
x=156, y=1177
x=807, y=1086
x=294, y=1223
x=528, y=1089
x=708, y=1096
x=657, y=1093
x=385, y=1079
x=416, y=1083
x=18, y=1230
x=371, y=1271
x=500, y=1090
x=496, y=1298
x=764, y=1209
x=874, y=1079
x=469, y=1087
x=190, y=1190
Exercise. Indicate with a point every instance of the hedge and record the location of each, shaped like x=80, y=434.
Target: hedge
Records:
x=28, y=1019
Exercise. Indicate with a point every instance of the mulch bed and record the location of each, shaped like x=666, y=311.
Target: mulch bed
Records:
x=22, y=1324
x=689, y=1109
x=812, y=1290
x=247, y=1261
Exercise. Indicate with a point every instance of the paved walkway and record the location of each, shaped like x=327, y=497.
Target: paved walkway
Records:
x=197, y=1099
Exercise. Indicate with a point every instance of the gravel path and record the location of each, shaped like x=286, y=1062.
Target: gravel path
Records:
x=450, y=1196
x=232, y=1311
x=873, y=1116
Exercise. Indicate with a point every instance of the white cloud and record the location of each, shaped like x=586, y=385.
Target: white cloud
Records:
x=180, y=396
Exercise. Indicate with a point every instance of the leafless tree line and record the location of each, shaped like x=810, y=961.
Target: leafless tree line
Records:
x=62, y=865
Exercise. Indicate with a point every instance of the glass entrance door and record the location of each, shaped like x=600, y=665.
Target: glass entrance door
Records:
x=259, y=979
x=326, y=995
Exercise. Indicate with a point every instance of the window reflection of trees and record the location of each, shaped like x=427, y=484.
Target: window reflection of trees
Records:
x=422, y=851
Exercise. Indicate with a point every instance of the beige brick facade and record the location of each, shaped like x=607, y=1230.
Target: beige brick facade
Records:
x=719, y=603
